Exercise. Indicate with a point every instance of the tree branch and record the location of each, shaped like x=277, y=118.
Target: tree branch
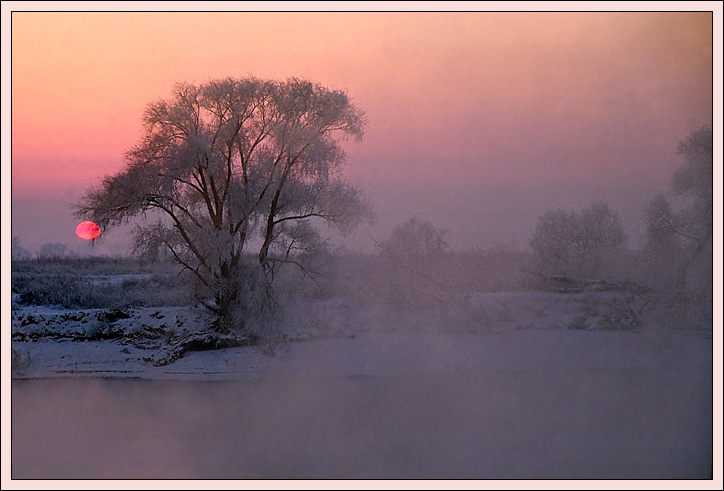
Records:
x=679, y=232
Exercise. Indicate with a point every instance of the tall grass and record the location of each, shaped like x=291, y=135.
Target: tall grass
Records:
x=98, y=283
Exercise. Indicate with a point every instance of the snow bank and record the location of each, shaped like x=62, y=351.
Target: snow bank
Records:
x=338, y=336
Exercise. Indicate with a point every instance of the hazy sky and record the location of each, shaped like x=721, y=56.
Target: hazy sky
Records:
x=478, y=121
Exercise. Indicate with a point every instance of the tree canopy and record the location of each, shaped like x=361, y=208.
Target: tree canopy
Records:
x=235, y=162
x=570, y=243
x=680, y=225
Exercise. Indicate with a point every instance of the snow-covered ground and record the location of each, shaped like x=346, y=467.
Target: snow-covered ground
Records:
x=511, y=385
x=508, y=330
x=553, y=329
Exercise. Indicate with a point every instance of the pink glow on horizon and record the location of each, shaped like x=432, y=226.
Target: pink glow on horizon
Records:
x=509, y=100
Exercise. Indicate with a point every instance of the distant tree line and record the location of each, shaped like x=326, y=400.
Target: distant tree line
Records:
x=679, y=227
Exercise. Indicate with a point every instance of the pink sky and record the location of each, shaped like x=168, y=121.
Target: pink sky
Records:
x=477, y=121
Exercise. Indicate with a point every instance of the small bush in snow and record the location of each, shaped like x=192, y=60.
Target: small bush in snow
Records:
x=19, y=362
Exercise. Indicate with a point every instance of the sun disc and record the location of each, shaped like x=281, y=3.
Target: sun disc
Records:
x=87, y=230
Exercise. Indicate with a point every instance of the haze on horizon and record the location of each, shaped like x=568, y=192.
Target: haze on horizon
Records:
x=477, y=121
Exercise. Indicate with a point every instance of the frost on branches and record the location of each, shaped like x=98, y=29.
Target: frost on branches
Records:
x=241, y=172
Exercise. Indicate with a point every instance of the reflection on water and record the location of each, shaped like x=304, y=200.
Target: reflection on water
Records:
x=565, y=424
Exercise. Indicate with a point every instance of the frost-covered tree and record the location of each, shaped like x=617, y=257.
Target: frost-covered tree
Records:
x=680, y=226
x=660, y=236
x=416, y=239
x=556, y=242
x=585, y=243
x=52, y=250
x=414, y=251
x=232, y=163
x=603, y=237
x=18, y=252
x=662, y=251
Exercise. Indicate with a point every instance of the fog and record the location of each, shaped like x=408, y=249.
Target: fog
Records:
x=476, y=216
x=500, y=424
x=439, y=415
x=453, y=367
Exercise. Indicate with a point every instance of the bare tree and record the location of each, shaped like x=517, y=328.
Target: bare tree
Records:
x=230, y=163
x=681, y=225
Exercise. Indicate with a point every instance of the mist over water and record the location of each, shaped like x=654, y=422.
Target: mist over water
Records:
x=393, y=377
x=627, y=423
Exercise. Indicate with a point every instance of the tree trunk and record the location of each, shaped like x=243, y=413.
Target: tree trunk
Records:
x=226, y=299
x=243, y=301
x=224, y=322
x=686, y=264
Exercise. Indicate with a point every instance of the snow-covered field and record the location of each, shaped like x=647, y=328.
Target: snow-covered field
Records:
x=509, y=385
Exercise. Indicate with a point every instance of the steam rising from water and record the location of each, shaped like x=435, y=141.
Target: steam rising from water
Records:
x=598, y=424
